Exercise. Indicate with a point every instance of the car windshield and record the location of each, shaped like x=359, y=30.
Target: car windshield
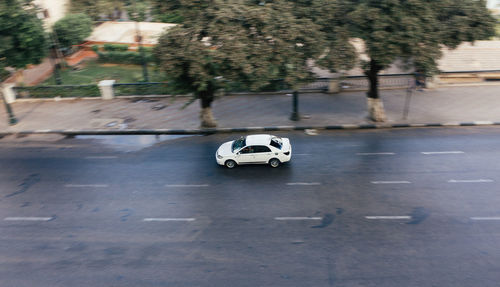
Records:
x=237, y=144
x=276, y=142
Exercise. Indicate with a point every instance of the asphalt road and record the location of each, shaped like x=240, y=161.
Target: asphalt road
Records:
x=415, y=207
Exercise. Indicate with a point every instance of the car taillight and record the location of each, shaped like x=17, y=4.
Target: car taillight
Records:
x=287, y=153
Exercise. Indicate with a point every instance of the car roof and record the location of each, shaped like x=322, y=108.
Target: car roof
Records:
x=258, y=139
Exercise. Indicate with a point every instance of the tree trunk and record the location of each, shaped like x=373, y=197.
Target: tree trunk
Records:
x=376, y=111
x=206, y=116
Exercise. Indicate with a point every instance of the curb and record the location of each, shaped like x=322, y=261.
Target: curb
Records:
x=243, y=130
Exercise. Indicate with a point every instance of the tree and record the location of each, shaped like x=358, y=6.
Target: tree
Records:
x=97, y=8
x=413, y=31
x=22, y=38
x=248, y=42
x=73, y=29
x=167, y=11
x=338, y=54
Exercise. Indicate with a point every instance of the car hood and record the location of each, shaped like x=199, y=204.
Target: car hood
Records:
x=225, y=149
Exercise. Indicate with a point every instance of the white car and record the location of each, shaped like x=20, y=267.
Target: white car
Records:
x=255, y=149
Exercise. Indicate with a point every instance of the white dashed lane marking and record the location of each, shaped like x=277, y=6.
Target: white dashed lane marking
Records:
x=86, y=185
x=388, y=217
x=167, y=219
x=470, y=180
x=187, y=185
x=303, y=183
x=101, y=157
x=28, y=218
x=375, y=153
x=485, y=218
x=298, y=218
x=391, y=182
x=442, y=152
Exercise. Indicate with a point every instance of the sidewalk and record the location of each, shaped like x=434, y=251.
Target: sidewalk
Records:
x=441, y=106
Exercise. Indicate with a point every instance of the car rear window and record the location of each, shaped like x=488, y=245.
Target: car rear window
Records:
x=276, y=142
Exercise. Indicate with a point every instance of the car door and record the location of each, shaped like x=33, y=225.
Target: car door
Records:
x=262, y=154
x=245, y=155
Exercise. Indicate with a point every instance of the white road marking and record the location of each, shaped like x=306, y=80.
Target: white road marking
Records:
x=168, y=219
x=187, y=185
x=391, y=182
x=101, y=157
x=303, y=183
x=28, y=218
x=443, y=152
x=298, y=218
x=483, y=123
x=375, y=153
x=485, y=218
x=469, y=180
x=388, y=217
x=86, y=185
x=301, y=154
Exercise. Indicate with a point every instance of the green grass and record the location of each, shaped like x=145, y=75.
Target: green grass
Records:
x=93, y=72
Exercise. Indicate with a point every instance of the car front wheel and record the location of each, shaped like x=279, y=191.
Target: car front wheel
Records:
x=274, y=162
x=230, y=163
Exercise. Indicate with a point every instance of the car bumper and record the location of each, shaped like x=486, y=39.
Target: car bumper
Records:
x=220, y=161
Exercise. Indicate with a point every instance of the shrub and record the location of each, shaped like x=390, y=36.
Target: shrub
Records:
x=115, y=47
x=77, y=91
x=95, y=48
x=128, y=57
x=142, y=89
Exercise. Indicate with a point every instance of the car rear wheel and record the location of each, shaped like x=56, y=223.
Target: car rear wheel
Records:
x=230, y=163
x=274, y=162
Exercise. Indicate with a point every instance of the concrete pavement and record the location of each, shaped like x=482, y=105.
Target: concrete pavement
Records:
x=441, y=106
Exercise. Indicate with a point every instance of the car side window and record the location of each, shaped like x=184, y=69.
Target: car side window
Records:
x=261, y=148
x=246, y=150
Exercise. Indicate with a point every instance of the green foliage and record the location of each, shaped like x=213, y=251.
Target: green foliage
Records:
x=168, y=18
x=124, y=57
x=92, y=72
x=143, y=89
x=58, y=91
x=415, y=30
x=95, y=48
x=171, y=11
x=4, y=74
x=73, y=29
x=138, y=10
x=115, y=47
x=331, y=16
x=95, y=8
x=237, y=41
x=22, y=38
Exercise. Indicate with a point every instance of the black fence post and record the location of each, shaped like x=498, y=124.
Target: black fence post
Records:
x=407, y=100
x=295, y=109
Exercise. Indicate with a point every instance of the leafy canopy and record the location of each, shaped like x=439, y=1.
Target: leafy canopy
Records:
x=248, y=42
x=22, y=38
x=97, y=8
x=73, y=29
x=416, y=30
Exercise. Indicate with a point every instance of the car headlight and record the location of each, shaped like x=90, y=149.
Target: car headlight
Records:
x=287, y=153
x=219, y=156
